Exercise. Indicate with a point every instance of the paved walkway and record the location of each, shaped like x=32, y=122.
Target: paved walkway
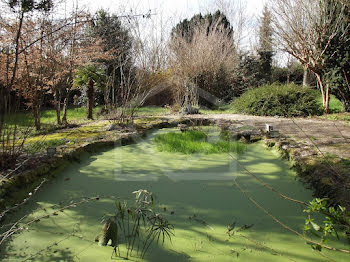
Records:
x=329, y=136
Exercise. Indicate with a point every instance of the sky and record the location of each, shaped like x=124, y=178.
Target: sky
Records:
x=188, y=7
x=169, y=12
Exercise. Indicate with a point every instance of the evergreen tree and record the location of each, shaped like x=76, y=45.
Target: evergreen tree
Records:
x=265, y=50
x=186, y=28
x=337, y=55
x=117, y=43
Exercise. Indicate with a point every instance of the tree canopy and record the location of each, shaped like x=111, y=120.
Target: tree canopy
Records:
x=216, y=21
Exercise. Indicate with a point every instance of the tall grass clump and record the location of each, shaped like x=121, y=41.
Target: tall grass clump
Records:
x=139, y=225
x=193, y=141
x=279, y=100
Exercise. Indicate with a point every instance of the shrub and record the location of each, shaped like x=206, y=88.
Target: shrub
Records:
x=279, y=100
x=191, y=142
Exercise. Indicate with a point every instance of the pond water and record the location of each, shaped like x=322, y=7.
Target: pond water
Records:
x=189, y=186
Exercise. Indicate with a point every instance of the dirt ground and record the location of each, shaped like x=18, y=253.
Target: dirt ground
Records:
x=326, y=136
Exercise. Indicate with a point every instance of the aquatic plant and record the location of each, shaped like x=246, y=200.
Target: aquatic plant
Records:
x=194, y=141
x=140, y=224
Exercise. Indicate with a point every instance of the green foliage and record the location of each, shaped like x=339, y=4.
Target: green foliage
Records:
x=336, y=219
x=186, y=28
x=338, y=116
x=191, y=142
x=337, y=54
x=293, y=73
x=281, y=100
x=30, y=5
x=247, y=74
x=42, y=145
x=117, y=42
x=114, y=36
x=217, y=84
x=87, y=73
x=335, y=105
x=152, y=111
x=265, y=62
x=140, y=223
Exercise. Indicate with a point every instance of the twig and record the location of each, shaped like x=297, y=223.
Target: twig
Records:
x=13, y=171
x=24, y=201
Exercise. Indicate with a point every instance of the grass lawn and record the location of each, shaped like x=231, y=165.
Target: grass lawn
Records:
x=152, y=111
x=74, y=116
x=335, y=106
x=48, y=117
x=337, y=116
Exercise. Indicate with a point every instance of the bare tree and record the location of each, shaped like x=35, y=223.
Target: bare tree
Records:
x=206, y=54
x=301, y=27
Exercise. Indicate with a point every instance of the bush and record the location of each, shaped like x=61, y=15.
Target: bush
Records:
x=279, y=100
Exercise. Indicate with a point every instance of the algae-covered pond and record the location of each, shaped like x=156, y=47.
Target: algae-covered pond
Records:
x=196, y=192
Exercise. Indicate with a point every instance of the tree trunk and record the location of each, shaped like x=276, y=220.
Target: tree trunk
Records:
x=326, y=107
x=90, y=99
x=36, y=113
x=306, y=78
x=325, y=93
x=58, y=106
x=346, y=105
x=65, y=106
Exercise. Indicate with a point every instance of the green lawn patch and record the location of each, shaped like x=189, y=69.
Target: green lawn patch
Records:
x=337, y=116
x=152, y=111
x=191, y=142
x=335, y=106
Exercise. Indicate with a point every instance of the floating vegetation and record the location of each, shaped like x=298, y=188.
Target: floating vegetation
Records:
x=194, y=141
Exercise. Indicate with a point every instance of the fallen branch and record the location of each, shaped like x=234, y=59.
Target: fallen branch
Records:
x=24, y=201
